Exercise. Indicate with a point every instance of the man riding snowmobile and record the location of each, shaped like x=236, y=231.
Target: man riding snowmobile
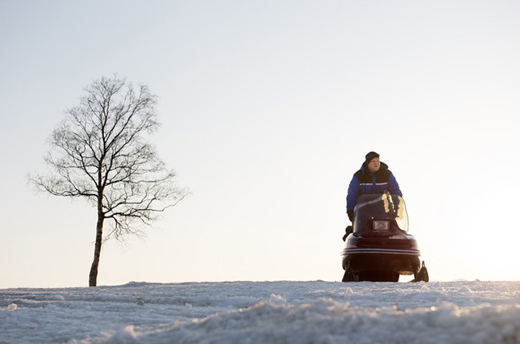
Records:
x=378, y=246
x=373, y=177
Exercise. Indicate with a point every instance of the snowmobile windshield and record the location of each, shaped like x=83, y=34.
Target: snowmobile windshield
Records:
x=379, y=213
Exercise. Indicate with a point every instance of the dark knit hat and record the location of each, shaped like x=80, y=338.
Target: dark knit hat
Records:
x=370, y=156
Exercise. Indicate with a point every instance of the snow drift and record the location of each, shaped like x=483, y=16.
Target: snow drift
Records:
x=265, y=312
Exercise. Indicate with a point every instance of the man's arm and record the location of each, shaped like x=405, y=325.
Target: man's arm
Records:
x=393, y=186
x=352, y=195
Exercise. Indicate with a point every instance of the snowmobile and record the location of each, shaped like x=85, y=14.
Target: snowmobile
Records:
x=378, y=247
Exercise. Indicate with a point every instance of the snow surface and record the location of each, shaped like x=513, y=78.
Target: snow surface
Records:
x=265, y=312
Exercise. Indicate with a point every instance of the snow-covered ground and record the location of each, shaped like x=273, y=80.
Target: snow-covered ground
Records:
x=265, y=312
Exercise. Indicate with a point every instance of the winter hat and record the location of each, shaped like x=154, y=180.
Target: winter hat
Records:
x=370, y=156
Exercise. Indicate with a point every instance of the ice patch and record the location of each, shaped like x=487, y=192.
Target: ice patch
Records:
x=125, y=336
x=466, y=289
x=424, y=288
x=277, y=300
x=504, y=288
x=349, y=291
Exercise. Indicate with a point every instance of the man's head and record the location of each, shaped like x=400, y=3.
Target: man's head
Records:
x=372, y=161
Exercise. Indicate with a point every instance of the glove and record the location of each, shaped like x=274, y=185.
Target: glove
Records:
x=350, y=214
x=348, y=230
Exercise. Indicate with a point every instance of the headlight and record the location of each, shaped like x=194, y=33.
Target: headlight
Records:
x=382, y=226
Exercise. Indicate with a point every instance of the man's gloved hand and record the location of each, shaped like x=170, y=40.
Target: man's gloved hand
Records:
x=348, y=230
x=350, y=214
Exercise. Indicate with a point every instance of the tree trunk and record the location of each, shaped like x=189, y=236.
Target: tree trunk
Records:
x=92, y=282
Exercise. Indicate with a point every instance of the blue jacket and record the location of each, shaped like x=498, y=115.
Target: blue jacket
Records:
x=363, y=182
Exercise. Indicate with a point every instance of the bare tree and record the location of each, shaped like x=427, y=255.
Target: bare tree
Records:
x=100, y=153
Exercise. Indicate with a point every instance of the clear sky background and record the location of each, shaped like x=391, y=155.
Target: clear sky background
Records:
x=267, y=110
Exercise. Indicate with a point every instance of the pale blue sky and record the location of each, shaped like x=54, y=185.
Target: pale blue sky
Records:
x=267, y=109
